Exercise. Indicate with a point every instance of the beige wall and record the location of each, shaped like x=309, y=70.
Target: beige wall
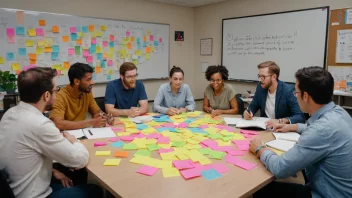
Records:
x=179, y=18
x=208, y=24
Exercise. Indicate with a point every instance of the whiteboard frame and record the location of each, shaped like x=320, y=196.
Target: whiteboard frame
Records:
x=102, y=82
x=274, y=13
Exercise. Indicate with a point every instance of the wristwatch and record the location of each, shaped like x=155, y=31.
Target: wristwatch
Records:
x=259, y=148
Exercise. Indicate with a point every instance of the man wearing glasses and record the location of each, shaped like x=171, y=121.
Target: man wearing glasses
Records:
x=274, y=98
x=124, y=95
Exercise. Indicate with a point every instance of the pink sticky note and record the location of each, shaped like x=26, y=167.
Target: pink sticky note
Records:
x=10, y=31
x=231, y=159
x=250, y=132
x=118, y=129
x=223, y=148
x=109, y=62
x=58, y=72
x=243, y=147
x=237, y=142
x=147, y=170
x=94, y=41
x=160, y=40
x=237, y=153
x=40, y=31
x=190, y=173
x=153, y=136
x=221, y=168
x=73, y=29
x=168, y=125
x=105, y=43
x=165, y=150
x=128, y=33
x=209, y=142
x=182, y=164
x=203, y=126
x=151, y=37
x=164, y=140
x=11, y=39
x=248, y=136
x=114, y=139
x=96, y=144
x=139, y=135
x=89, y=59
x=196, y=164
x=85, y=53
x=245, y=164
x=182, y=125
x=112, y=37
x=127, y=138
x=71, y=51
x=224, y=127
x=28, y=67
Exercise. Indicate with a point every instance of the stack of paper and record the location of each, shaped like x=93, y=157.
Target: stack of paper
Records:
x=281, y=145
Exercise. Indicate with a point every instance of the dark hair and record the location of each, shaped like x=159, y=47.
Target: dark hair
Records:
x=317, y=82
x=273, y=68
x=217, y=69
x=34, y=82
x=78, y=70
x=174, y=70
x=127, y=66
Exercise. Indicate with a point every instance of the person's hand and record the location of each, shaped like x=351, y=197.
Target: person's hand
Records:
x=215, y=112
x=271, y=123
x=254, y=144
x=99, y=121
x=182, y=110
x=133, y=112
x=110, y=119
x=65, y=181
x=285, y=128
x=247, y=115
x=172, y=111
x=69, y=137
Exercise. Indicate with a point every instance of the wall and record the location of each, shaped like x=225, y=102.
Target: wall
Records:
x=208, y=24
x=179, y=18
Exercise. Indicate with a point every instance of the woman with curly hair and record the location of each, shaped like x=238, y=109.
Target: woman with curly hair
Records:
x=219, y=97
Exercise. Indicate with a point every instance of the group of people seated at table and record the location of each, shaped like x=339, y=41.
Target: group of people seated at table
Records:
x=29, y=141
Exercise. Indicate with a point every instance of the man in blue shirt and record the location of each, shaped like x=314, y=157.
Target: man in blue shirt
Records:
x=274, y=98
x=123, y=95
x=324, y=148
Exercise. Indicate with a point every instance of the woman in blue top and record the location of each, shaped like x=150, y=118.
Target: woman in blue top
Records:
x=174, y=97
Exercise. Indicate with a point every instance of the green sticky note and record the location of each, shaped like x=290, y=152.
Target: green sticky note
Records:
x=142, y=153
x=217, y=155
x=215, y=136
x=78, y=50
x=129, y=146
x=178, y=144
x=226, y=139
x=153, y=147
x=205, y=151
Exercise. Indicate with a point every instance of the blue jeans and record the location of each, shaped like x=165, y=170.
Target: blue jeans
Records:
x=80, y=191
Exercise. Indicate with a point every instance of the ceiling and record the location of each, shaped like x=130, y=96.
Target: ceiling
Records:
x=189, y=3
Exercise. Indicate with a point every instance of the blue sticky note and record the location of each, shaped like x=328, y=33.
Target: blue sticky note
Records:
x=111, y=44
x=139, y=46
x=73, y=37
x=102, y=64
x=117, y=144
x=92, y=49
x=161, y=129
x=145, y=44
x=10, y=56
x=100, y=56
x=85, y=29
x=78, y=28
x=141, y=126
x=210, y=174
x=108, y=77
x=56, y=48
x=138, y=40
x=189, y=120
x=19, y=30
x=156, y=43
x=194, y=130
x=22, y=51
x=54, y=55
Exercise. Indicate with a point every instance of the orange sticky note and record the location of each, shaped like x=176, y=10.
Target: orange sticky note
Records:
x=65, y=38
x=97, y=70
x=32, y=56
x=66, y=65
x=144, y=38
x=79, y=41
x=123, y=154
x=147, y=50
x=42, y=22
x=129, y=46
x=32, y=62
x=55, y=29
x=343, y=84
x=105, y=55
x=91, y=28
x=48, y=49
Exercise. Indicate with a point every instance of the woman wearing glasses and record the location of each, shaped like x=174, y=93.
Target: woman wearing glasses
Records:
x=174, y=97
x=219, y=97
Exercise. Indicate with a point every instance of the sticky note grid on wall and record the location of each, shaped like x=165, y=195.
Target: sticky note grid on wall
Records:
x=32, y=39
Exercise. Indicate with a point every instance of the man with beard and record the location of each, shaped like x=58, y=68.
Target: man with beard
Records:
x=274, y=98
x=29, y=142
x=123, y=95
x=76, y=99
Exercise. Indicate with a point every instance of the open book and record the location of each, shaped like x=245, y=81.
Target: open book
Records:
x=284, y=141
x=92, y=133
x=255, y=122
x=289, y=136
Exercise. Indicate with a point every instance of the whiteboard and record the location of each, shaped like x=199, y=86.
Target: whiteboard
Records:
x=344, y=46
x=292, y=39
x=30, y=39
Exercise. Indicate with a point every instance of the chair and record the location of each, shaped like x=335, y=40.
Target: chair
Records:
x=240, y=104
x=101, y=103
x=5, y=188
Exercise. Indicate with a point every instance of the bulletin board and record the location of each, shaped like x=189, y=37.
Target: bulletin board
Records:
x=32, y=39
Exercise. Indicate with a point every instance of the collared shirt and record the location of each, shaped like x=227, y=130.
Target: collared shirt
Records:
x=165, y=99
x=324, y=150
x=123, y=98
x=73, y=106
x=29, y=142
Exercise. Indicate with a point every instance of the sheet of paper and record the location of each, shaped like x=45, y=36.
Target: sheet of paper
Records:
x=290, y=136
x=231, y=121
x=98, y=133
x=282, y=145
x=255, y=122
x=77, y=133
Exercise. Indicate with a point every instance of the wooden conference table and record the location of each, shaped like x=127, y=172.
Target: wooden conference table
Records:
x=123, y=181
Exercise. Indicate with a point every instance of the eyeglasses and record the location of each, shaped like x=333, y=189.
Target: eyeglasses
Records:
x=262, y=77
x=296, y=93
x=56, y=90
x=217, y=80
x=130, y=77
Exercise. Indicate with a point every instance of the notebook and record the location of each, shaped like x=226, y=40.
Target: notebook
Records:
x=231, y=121
x=282, y=145
x=258, y=122
x=92, y=133
x=289, y=136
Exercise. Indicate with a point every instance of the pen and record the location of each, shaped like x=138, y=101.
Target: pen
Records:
x=90, y=132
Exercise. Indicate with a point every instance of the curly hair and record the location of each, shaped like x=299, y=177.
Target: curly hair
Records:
x=217, y=69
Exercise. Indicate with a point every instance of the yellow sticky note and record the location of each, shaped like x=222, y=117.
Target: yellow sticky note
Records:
x=29, y=43
x=66, y=65
x=165, y=146
x=103, y=28
x=92, y=35
x=132, y=39
x=277, y=151
x=39, y=50
x=139, y=159
x=110, y=72
x=152, y=48
x=31, y=32
x=204, y=161
x=170, y=172
x=138, y=52
x=132, y=130
x=135, y=61
x=98, y=49
x=112, y=162
x=182, y=157
x=147, y=56
x=16, y=66
x=2, y=61
x=98, y=33
x=168, y=156
x=102, y=153
x=80, y=34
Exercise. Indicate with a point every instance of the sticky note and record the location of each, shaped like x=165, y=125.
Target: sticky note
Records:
x=11, y=39
x=85, y=53
x=147, y=170
x=99, y=56
x=56, y=48
x=31, y=32
x=19, y=30
x=105, y=43
x=128, y=33
x=10, y=56
x=71, y=51
x=245, y=164
x=15, y=66
x=32, y=56
x=39, y=31
x=110, y=64
x=170, y=172
x=54, y=55
x=153, y=147
x=97, y=69
x=117, y=144
x=111, y=37
x=79, y=42
x=94, y=41
x=19, y=17
x=98, y=33
x=210, y=174
x=2, y=61
x=143, y=153
x=85, y=29
x=129, y=46
x=237, y=152
x=147, y=56
x=73, y=29
x=41, y=22
x=103, y=153
x=48, y=49
x=98, y=49
x=112, y=162
x=32, y=62
x=55, y=29
x=73, y=36
x=92, y=49
x=22, y=51
x=122, y=154
x=78, y=50
x=89, y=59
x=151, y=37
x=217, y=155
x=66, y=65
x=182, y=164
x=103, y=27
x=96, y=144
x=10, y=31
x=91, y=28
x=129, y=146
x=160, y=40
